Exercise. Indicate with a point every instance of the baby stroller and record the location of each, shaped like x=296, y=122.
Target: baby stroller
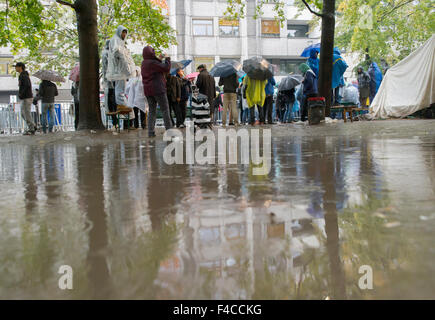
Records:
x=201, y=111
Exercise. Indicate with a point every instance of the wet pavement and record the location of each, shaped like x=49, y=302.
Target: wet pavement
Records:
x=337, y=197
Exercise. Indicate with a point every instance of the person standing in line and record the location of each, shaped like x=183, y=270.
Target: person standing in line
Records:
x=207, y=86
x=186, y=90
x=255, y=96
x=26, y=96
x=154, y=84
x=174, y=97
x=363, y=86
x=230, y=85
x=313, y=61
x=109, y=87
x=310, y=88
x=75, y=93
x=47, y=92
x=120, y=64
x=268, y=103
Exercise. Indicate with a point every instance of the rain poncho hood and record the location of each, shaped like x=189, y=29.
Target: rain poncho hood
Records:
x=120, y=64
x=313, y=61
x=375, y=74
x=255, y=92
x=339, y=66
x=303, y=67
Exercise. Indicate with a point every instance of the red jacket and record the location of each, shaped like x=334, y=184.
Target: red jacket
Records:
x=153, y=72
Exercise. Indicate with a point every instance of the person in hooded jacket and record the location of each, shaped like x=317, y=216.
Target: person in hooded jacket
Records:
x=154, y=84
x=109, y=87
x=363, y=86
x=26, y=96
x=310, y=88
x=120, y=64
x=313, y=61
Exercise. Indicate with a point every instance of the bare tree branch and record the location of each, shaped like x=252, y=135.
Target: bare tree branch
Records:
x=65, y=3
x=394, y=8
x=311, y=10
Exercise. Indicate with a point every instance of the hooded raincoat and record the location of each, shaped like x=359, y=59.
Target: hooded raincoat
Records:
x=339, y=66
x=104, y=65
x=120, y=64
x=313, y=62
x=153, y=72
x=255, y=91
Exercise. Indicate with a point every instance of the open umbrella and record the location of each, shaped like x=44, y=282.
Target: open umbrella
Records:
x=49, y=75
x=192, y=75
x=175, y=65
x=225, y=68
x=290, y=82
x=75, y=73
x=258, y=68
x=306, y=52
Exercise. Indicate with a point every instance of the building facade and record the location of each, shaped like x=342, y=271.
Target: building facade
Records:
x=207, y=37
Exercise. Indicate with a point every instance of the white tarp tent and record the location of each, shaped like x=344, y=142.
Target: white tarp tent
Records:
x=409, y=86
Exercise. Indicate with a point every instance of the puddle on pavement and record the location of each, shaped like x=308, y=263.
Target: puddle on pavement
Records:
x=131, y=226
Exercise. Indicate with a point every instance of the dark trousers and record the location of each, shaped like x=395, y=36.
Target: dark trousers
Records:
x=138, y=112
x=182, y=109
x=76, y=115
x=268, y=108
x=162, y=101
x=304, y=109
x=173, y=108
x=252, y=114
x=111, y=103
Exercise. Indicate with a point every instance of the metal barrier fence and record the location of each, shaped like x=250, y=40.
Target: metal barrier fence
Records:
x=11, y=121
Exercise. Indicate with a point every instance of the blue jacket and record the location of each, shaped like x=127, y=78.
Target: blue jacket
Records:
x=313, y=62
x=269, y=86
x=339, y=66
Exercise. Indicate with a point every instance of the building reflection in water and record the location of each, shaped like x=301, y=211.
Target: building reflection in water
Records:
x=133, y=226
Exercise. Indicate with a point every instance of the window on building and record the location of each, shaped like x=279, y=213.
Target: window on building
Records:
x=286, y=66
x=202, y=27
x=270, y=28
x=6, y=66
x=297, y=30
x=229, y=28
x=208, y=61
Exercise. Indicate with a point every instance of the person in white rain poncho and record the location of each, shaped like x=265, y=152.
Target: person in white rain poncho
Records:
x=136, y=99
x=109, y=89
x=120, y=64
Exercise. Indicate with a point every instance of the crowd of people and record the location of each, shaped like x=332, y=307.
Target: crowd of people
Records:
x=140, y=90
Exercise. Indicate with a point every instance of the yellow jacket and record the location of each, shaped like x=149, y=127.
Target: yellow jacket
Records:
x=255, y=91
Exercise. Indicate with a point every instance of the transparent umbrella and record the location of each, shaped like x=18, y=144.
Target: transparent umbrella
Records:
x=290, y=82
x=49, y=75
x=258, y=68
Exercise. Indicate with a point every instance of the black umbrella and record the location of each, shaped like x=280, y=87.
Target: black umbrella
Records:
x=290, y=82
x=225, y=68
x=258, y=68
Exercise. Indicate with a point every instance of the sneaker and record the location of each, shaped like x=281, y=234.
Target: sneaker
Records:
x=182, y=126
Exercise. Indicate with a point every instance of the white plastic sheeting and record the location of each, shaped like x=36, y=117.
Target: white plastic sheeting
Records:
x=409, y=86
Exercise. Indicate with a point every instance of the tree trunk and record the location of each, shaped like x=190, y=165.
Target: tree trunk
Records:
x=326, y=50
x=90, y=113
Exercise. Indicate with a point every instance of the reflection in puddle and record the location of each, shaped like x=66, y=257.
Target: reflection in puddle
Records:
x=131, y=226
